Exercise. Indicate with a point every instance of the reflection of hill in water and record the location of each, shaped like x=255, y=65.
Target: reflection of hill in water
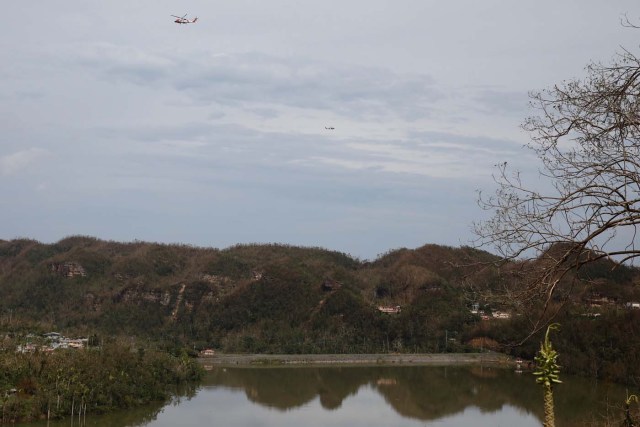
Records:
x=416, y=392
x=429, y=394
x=286, y=388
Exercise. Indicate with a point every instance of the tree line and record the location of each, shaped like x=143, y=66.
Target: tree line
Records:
x=79, y=383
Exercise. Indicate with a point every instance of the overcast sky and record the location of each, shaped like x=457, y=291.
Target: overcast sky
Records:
x=120, y=124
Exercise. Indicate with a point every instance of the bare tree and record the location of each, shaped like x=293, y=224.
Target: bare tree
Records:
x=586, y=134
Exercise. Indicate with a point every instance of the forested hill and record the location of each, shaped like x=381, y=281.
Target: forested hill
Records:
x=244, y=298
x=266, y=298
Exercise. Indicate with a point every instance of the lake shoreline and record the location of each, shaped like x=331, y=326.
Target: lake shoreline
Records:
x=430, y=359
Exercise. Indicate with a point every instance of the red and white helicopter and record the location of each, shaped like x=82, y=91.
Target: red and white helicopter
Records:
x=184, y=19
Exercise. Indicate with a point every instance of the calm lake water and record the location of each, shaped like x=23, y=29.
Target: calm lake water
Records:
x=372, y=396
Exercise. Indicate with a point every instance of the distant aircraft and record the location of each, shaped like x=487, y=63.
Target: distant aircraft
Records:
x=329, y=128
x=184, y=19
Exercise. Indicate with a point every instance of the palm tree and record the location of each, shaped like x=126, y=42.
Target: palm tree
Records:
x=548, y=373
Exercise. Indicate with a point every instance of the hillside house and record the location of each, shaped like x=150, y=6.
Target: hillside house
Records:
x=591, y=315
x=501, y=315
x=389, y=309
x=599, y=300
x=53, y=336
x=26, y=348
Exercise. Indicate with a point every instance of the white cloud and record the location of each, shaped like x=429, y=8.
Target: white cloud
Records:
x=456, y=160
x=425, y=98
x=14, y=163
x=261, y=83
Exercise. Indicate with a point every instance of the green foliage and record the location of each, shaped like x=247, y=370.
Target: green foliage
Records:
x=13, y=248
x=97, y=380
x=134, y=266
x=74, y=242
x=229, y=265
x=167, y=260
x=143, y=320
x=39, y=253
x=606, y=269
x=548, y=374
x=547, y=368
x=96, y=263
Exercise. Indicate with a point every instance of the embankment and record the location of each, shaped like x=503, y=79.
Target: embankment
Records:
x=438, y=359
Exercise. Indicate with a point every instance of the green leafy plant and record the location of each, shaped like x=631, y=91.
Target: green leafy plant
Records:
x=548, y=373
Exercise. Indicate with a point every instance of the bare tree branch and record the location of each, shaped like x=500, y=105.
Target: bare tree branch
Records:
x=586, y=134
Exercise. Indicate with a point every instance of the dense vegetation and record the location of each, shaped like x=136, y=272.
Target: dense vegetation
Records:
x=284, y=299
x=67, y=383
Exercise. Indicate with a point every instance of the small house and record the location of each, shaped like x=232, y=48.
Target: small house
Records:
x=501, y=315
x=389, y=309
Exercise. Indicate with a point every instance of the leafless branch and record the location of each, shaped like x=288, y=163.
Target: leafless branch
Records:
x=586, y=134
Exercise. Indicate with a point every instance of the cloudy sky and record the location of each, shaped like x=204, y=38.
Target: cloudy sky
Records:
x=119, y=124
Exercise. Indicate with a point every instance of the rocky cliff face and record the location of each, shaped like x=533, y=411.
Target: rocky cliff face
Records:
x=68, y=269
x=139, y=293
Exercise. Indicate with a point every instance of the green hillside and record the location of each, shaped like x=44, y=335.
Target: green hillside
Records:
x=285, y=299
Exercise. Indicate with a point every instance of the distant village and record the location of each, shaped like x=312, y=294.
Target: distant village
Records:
x=52, y=341
x=594, y=301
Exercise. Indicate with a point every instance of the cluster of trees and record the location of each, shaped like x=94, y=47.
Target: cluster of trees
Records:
x=73, y=383
x=605, y=347
x=344, y=323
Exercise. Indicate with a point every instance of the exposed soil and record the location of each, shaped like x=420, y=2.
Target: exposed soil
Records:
x=439, y=359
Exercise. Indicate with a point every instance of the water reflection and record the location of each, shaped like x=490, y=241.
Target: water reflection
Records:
x=370, y=396
x=421, y=393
